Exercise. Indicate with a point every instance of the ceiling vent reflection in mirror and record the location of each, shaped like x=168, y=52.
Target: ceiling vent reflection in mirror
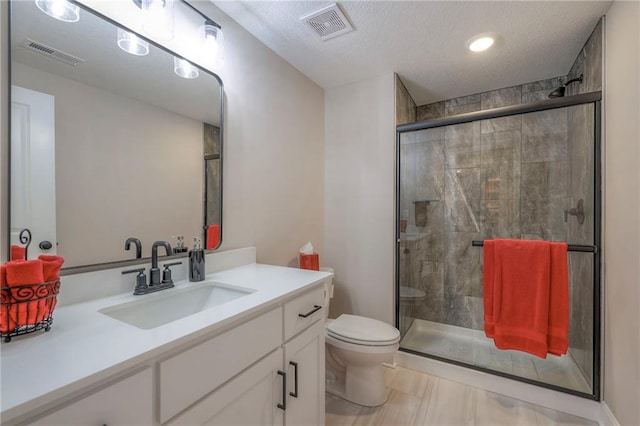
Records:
x=328, y=22
x=51, y=52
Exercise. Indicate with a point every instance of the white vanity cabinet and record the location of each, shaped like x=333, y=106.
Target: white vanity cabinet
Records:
x=284, y=388
x=304, y=360
x=127, y=402
x=264, y=367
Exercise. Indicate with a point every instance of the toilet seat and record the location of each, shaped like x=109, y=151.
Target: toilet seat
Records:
x=364, y=331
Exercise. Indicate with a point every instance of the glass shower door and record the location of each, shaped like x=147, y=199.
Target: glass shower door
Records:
x=523, y=176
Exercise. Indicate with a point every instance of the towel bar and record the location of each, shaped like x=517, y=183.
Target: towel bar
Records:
x=572, y=247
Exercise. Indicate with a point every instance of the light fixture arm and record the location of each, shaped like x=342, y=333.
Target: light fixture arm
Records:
x=207, y=20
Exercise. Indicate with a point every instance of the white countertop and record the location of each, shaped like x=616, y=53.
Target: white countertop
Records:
x=85, y=346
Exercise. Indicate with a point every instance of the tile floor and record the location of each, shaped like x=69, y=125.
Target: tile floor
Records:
x=420, y=399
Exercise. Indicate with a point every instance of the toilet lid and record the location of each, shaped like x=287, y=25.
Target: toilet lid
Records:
x=361, y=330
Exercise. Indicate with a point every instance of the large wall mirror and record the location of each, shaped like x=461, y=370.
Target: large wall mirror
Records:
x=107, y=145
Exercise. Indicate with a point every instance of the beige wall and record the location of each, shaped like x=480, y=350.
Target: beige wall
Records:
x=622, y=212
x=359, y=196
x=273, y=151
x=273, y=146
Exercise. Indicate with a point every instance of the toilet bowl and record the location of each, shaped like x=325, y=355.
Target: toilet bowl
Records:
x=355, y=349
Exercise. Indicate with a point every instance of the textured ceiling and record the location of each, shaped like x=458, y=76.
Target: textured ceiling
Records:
x=424, y=41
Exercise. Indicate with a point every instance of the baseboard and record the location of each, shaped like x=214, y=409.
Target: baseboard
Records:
x=532, y=394
x=612, y=419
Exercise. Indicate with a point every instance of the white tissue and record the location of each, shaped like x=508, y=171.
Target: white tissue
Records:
x=307, y=248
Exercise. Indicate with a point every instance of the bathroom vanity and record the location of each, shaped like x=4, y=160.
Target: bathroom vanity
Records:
x=255, y=359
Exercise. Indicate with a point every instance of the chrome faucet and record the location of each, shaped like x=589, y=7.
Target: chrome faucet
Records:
x=154, y=272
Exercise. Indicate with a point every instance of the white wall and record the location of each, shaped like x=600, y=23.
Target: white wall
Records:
x=359, y=196
x=622, y=212
x=273, y=145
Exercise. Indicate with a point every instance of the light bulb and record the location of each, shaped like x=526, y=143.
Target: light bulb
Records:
x=131, y=43
x=158, y=18
x=59, y=9
x=212, y=51
x=184, y=69
x=481, y=44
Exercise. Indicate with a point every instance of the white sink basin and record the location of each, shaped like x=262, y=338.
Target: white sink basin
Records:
x=154, y=310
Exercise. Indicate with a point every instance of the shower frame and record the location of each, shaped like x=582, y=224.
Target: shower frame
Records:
x=594, y=98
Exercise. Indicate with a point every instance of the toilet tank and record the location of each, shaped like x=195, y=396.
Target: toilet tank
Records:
x=328, y=291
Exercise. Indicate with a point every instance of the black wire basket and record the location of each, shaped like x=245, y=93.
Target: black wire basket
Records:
x=27, y=308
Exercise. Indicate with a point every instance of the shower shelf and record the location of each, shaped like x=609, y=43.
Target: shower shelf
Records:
x=572, y=247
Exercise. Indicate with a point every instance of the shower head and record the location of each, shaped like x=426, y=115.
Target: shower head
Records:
x=559, y=92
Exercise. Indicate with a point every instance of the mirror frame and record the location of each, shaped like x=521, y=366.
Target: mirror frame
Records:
x=7, y=175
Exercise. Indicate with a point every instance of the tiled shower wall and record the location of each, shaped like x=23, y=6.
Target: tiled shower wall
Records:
x=506, y=177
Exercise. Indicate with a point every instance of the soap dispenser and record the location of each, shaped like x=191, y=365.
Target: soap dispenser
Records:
x=196, y=261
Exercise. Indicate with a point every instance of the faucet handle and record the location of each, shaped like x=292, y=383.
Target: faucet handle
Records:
x=141, y=280
x=166, y=273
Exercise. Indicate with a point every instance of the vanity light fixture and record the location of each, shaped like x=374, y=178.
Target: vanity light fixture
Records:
x=212, y=53
x=157, y=18
x=131, y=43
x=59, y=9
x=213, y=42
x=480, y=43
x=184, y=69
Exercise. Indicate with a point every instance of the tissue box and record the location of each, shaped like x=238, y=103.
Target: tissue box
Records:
x=309, y=261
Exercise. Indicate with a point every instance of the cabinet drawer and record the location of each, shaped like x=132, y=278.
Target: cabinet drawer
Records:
x=303, y=311
x=187, y=377
x=127, y=402
x=251, y=398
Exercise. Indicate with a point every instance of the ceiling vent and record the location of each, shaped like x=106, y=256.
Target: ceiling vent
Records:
x=51, y=52
x=328, y=22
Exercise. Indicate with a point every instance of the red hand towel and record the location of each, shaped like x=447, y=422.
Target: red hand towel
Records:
x=521, y=295
x=7, y=311
x=22, y=272
x=18, y=253
x=558, y=338
x=51, y=266
x=213, y=236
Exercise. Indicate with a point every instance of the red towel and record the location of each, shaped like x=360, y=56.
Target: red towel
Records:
x=517, y=278
x=51, y=266
x=213, y=236
x=23, y=275
x=558, y=338
x=7, y=311
x=18, y=253
x=22, y=272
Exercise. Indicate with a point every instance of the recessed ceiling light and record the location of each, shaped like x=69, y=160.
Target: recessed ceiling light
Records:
x=480, y=43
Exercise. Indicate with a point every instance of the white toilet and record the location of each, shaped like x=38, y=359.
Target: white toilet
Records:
x=355, y=349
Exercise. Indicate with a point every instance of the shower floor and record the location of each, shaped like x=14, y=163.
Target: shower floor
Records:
x=472, y=347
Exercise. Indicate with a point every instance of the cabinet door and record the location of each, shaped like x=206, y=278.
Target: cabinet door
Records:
x=251, y=398
x=127, y=402
x=304, y=362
